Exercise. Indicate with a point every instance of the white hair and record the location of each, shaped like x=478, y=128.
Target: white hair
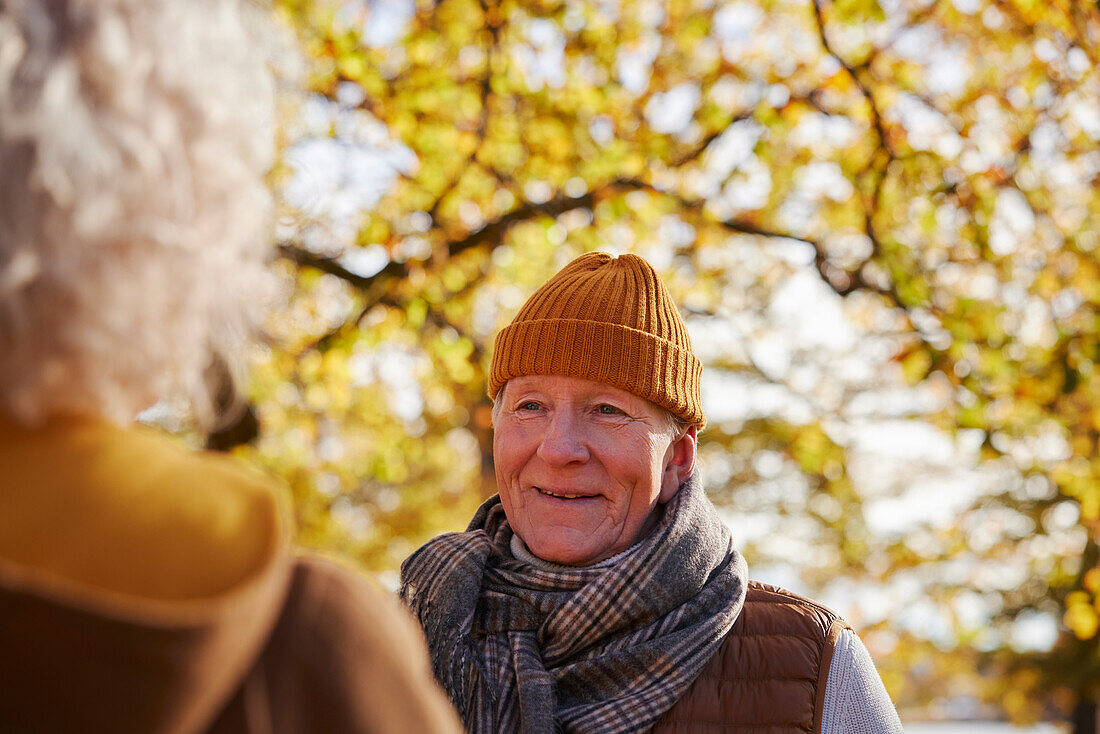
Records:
x=134, y=219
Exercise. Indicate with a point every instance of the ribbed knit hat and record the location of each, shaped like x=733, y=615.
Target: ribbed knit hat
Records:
x=608, y=319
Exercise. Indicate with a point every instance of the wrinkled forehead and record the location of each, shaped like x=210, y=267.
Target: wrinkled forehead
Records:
x=574, y=387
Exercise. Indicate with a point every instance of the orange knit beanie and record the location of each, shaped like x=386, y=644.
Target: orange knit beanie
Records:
x=610, y=320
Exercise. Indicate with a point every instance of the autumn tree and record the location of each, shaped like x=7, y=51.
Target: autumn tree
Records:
x=880, y=219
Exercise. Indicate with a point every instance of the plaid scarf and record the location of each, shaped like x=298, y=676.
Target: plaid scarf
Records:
x=526, y=649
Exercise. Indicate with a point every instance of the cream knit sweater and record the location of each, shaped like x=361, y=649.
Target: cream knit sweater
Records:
x=856, y=702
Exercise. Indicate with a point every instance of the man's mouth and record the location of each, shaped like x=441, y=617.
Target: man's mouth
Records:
x=563, y=495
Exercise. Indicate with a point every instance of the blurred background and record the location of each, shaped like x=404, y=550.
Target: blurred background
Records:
x=881, y=220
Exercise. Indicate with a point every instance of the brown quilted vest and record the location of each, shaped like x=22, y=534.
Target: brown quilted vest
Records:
x=768, y=676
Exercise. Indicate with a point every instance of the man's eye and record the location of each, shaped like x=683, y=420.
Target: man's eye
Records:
x=606, y=409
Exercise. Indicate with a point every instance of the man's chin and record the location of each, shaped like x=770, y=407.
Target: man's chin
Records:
x=572, y=549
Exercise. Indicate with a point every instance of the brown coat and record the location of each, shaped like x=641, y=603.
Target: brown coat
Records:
x=329, y=668
x=148, y=589
x=341, y=658
x=768, y=676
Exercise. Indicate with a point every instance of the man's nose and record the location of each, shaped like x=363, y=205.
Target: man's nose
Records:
x=563, y=442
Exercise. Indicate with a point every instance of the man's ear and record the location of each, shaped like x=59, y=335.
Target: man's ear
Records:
x=679, y=464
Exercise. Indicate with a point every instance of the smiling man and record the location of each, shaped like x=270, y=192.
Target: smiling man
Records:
x=599, y=591
x=582, y=466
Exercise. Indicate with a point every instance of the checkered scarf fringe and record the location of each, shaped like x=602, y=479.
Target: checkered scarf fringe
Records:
x=593, y=650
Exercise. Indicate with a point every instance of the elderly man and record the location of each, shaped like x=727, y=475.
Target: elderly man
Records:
x=599, y=591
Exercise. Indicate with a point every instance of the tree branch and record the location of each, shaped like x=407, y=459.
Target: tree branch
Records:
x=301, y=255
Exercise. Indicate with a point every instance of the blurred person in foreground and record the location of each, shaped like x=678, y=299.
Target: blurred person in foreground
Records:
x=600, y=590
x=145, y=587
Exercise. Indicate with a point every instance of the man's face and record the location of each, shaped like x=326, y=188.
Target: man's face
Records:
x=582, y=466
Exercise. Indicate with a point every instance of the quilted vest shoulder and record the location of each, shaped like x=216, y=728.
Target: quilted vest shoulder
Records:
x=769, y=673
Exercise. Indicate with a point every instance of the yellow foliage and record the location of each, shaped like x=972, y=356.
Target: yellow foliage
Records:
x=1091, y=580
x=933, y=184
x=1081, y=617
